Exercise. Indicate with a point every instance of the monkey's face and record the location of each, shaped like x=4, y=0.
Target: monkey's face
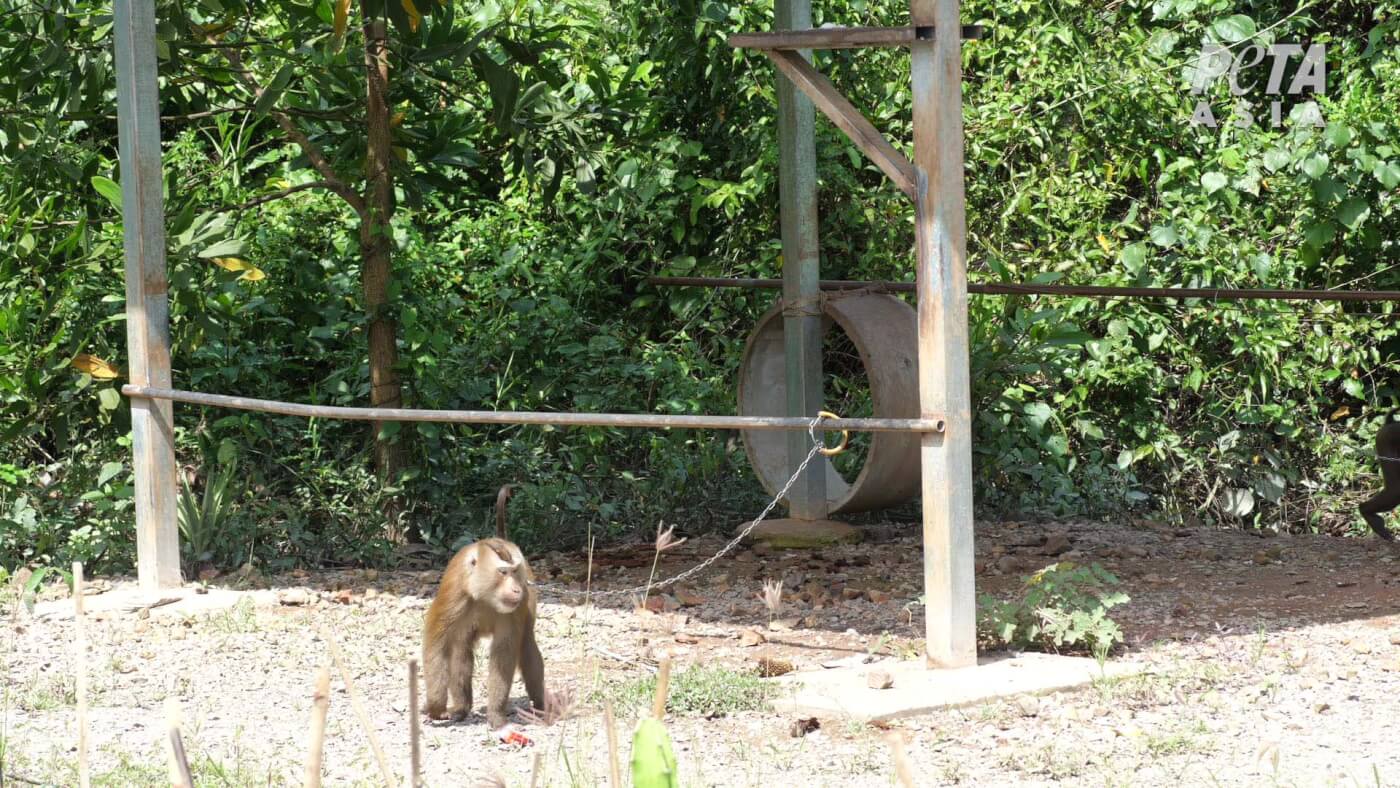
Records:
x=509, y=591
x=494, y=578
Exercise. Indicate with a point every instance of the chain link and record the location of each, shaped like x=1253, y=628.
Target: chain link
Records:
x=817, y=446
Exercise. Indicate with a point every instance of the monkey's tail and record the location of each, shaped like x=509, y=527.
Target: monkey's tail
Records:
x=501, y=498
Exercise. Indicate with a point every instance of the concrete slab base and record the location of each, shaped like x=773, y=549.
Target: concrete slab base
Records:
x=128, y=599
x=844, y=691
x=791, y=533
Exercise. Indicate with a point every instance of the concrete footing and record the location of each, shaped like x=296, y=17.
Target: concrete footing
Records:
x=845, y=691
x=127, y=599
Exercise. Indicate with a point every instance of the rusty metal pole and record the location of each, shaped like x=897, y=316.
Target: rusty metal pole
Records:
x=802, y=321
x=147, y=311
x=940, y=238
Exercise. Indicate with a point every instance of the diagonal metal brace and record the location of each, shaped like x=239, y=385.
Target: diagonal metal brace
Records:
x=847, y=118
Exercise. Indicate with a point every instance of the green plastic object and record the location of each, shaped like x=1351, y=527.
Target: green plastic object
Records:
x=653, y=761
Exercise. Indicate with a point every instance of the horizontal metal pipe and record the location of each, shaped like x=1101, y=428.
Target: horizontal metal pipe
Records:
x=653, y=420
x=1098, y=291
x=843, y=37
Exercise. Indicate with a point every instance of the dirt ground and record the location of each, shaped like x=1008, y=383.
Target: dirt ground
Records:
x=1273, y=660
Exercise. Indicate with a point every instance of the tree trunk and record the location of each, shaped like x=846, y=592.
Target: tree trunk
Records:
x=376, y=245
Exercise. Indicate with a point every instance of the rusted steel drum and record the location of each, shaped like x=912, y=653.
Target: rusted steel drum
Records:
x=884, y=331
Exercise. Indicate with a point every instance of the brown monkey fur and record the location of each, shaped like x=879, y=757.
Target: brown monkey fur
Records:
x=1387, y=453
x=487, y=590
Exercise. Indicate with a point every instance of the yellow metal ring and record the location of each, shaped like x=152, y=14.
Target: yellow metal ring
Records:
x=845, y=436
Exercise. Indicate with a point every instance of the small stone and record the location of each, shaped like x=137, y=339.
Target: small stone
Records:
x=1361, y=648
x=879, y=679
x=294, y=597
x=751, y=637
x=1055, y=544
x=769, y=667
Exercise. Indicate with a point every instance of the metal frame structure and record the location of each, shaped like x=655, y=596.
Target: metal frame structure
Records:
x=933, y=180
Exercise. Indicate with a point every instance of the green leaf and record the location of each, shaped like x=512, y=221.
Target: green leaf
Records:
x=1276, y=158
x=1353, y=388
x=1315, y=166
x=273, y=91
x=109, y=399
x=1037, y=413
x=1134, y=256
x=1214, y=182
x=229, y=247
x=1388, y=173
x=108, y=471
x=1164, y=235
x=1320, y=234
x=108, y=188
x=1337, y=135
x=1233, y=29
x=1352, y=212
x=653, y=761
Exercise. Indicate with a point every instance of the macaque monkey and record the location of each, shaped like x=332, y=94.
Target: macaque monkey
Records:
x=1388, y=454
x=487, y=590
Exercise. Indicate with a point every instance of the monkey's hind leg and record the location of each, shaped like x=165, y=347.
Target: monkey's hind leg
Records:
x=437, y=657
x=1372, y=508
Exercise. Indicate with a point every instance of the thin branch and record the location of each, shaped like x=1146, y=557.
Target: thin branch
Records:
x=267, y=198
x=314, y=153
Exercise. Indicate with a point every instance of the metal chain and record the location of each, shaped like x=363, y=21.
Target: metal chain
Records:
x=817, y=446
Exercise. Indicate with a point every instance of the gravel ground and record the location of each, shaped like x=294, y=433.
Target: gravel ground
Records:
x=1274, y=660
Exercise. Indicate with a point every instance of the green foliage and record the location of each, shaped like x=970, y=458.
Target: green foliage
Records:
x=203, y=520
x=699, y=690
x=553, y=155
x=1063, y=607
x=653, y=760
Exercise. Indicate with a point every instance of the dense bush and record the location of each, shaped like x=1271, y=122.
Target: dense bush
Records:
x=519, y=275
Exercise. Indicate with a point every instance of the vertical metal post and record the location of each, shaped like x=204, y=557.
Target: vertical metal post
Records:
x=940, y=233
x=147, y=312
x=802, y=321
